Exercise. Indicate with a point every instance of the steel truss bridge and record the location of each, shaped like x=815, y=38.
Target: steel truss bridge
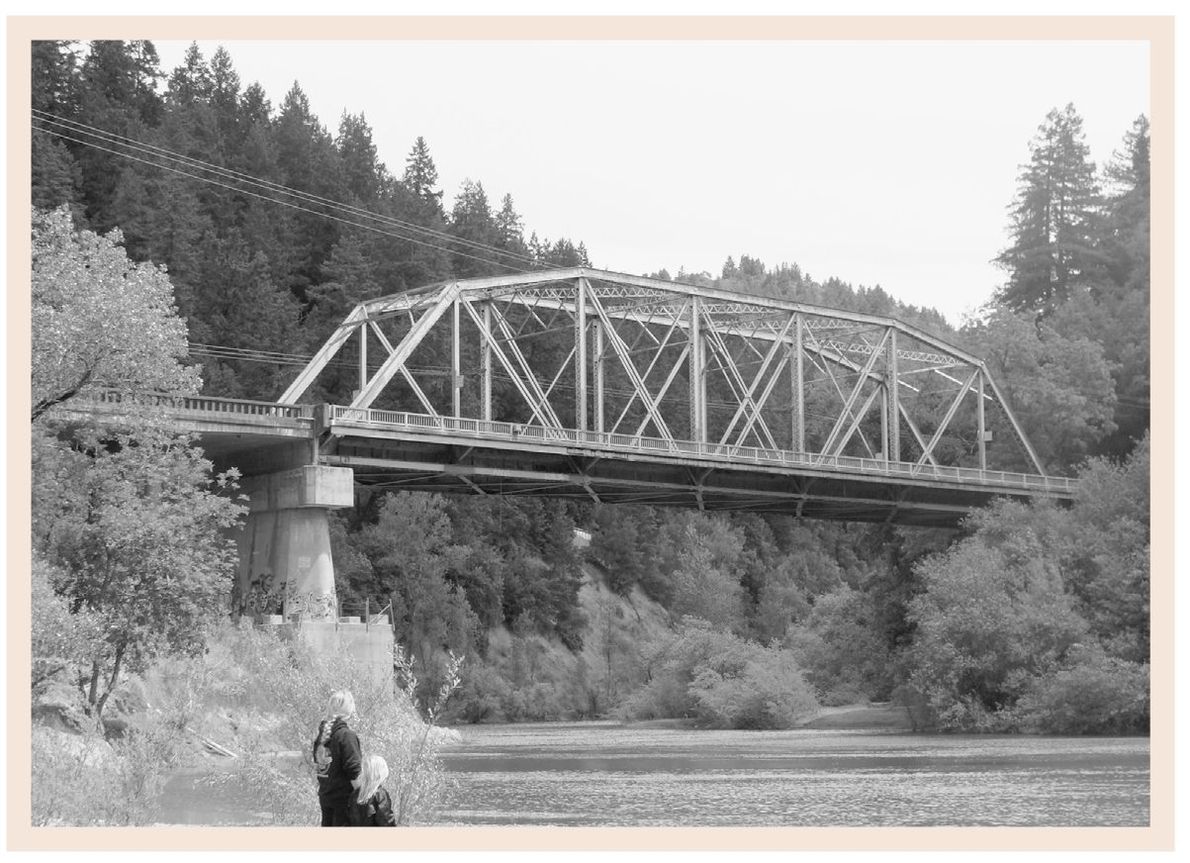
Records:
x=612, y=388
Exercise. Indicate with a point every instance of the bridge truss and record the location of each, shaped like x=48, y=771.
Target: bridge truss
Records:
x=618, y=388
x=586, y=350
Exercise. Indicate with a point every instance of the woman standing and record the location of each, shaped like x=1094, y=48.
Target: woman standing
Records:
x=337, y=788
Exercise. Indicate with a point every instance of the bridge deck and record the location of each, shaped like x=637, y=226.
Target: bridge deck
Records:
x=436, y=453
x=452, y=454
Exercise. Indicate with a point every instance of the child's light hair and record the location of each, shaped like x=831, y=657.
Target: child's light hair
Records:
x=342, y=703
x=372, y=774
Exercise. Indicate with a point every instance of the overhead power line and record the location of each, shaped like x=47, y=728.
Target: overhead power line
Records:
x=159, y=157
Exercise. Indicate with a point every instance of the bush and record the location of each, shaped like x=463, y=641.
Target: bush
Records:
x=1094, y=694
x=721, y=680
x=755, y=688
x=289, y=684
x=83, y=780
x=261, y=697
x=524, y=678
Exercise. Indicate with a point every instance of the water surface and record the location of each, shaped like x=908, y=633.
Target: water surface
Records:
x=606, y=774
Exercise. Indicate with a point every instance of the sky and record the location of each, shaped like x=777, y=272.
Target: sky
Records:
x=887, y=163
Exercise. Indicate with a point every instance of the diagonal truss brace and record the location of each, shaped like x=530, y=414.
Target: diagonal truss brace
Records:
x=750, y=407
x=621, y=351
x=396, y=358
x=537, y=402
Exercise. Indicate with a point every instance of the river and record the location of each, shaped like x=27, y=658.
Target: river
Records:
x=607, y=774
x=612, y=775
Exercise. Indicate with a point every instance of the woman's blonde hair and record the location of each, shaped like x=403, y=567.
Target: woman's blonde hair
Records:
x=372, y=774
x=342, y=703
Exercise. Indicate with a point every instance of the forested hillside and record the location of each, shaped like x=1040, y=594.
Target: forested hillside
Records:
x=271, y=227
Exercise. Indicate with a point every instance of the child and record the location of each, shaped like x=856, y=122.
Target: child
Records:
x=372, y=806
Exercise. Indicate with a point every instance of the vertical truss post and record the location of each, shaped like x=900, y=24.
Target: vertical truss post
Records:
x=363, y=357
x=486, y=360
x=884, y=423
x=698, y=381
x=456, y=375
x=983, y=437
x=799, y=387
x=598, y=329
x=892, y=413
x=580, y=355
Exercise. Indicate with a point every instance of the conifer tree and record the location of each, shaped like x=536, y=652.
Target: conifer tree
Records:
x=118, y=87
x=308, y=162
x=421, y=177
x=510, y=230
x=363, y=176
x=472, y=220
x=1053, y=219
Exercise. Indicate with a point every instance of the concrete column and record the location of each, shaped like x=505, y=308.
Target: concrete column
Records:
x=285, y=548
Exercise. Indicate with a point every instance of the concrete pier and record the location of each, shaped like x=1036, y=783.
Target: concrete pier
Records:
x=284, y=547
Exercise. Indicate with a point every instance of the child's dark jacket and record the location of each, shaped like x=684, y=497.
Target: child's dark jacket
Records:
x=376, y=812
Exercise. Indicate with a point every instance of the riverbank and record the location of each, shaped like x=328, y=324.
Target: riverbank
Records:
x=861, y=717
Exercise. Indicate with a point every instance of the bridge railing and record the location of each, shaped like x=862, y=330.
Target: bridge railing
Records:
x=694, y=449
x=197, y=405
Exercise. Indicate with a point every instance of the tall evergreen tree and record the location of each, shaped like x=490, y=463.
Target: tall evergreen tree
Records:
x=510, y=232
x=1053, y=219
x=1117, y=315
x=363, y=176
x=118, y=90
x=56, y=176
x=421, y=177
x=472, y=220
x=1126, y=210
x=308, y=162
x=55, y=77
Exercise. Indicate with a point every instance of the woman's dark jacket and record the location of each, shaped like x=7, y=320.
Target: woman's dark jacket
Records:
x=343, y=747
x=321, y=756
x=377, y=812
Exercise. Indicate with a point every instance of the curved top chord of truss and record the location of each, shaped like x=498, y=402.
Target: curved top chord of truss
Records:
x=588, y=350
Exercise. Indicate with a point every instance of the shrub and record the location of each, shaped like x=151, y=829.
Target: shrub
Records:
x=721, y=680
x=1094, y=694
x=84, y=780
x=756, y=688
x=260, y=696
x=289, y=683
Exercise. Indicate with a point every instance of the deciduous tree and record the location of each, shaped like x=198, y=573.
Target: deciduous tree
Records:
x=98, y=319
x=142, y=547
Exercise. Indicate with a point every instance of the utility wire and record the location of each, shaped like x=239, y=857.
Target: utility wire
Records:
x=190, y=161
x=64, y=128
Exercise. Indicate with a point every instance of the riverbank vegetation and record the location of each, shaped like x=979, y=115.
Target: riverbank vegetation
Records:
x=241, y=717
x=1027, y=618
